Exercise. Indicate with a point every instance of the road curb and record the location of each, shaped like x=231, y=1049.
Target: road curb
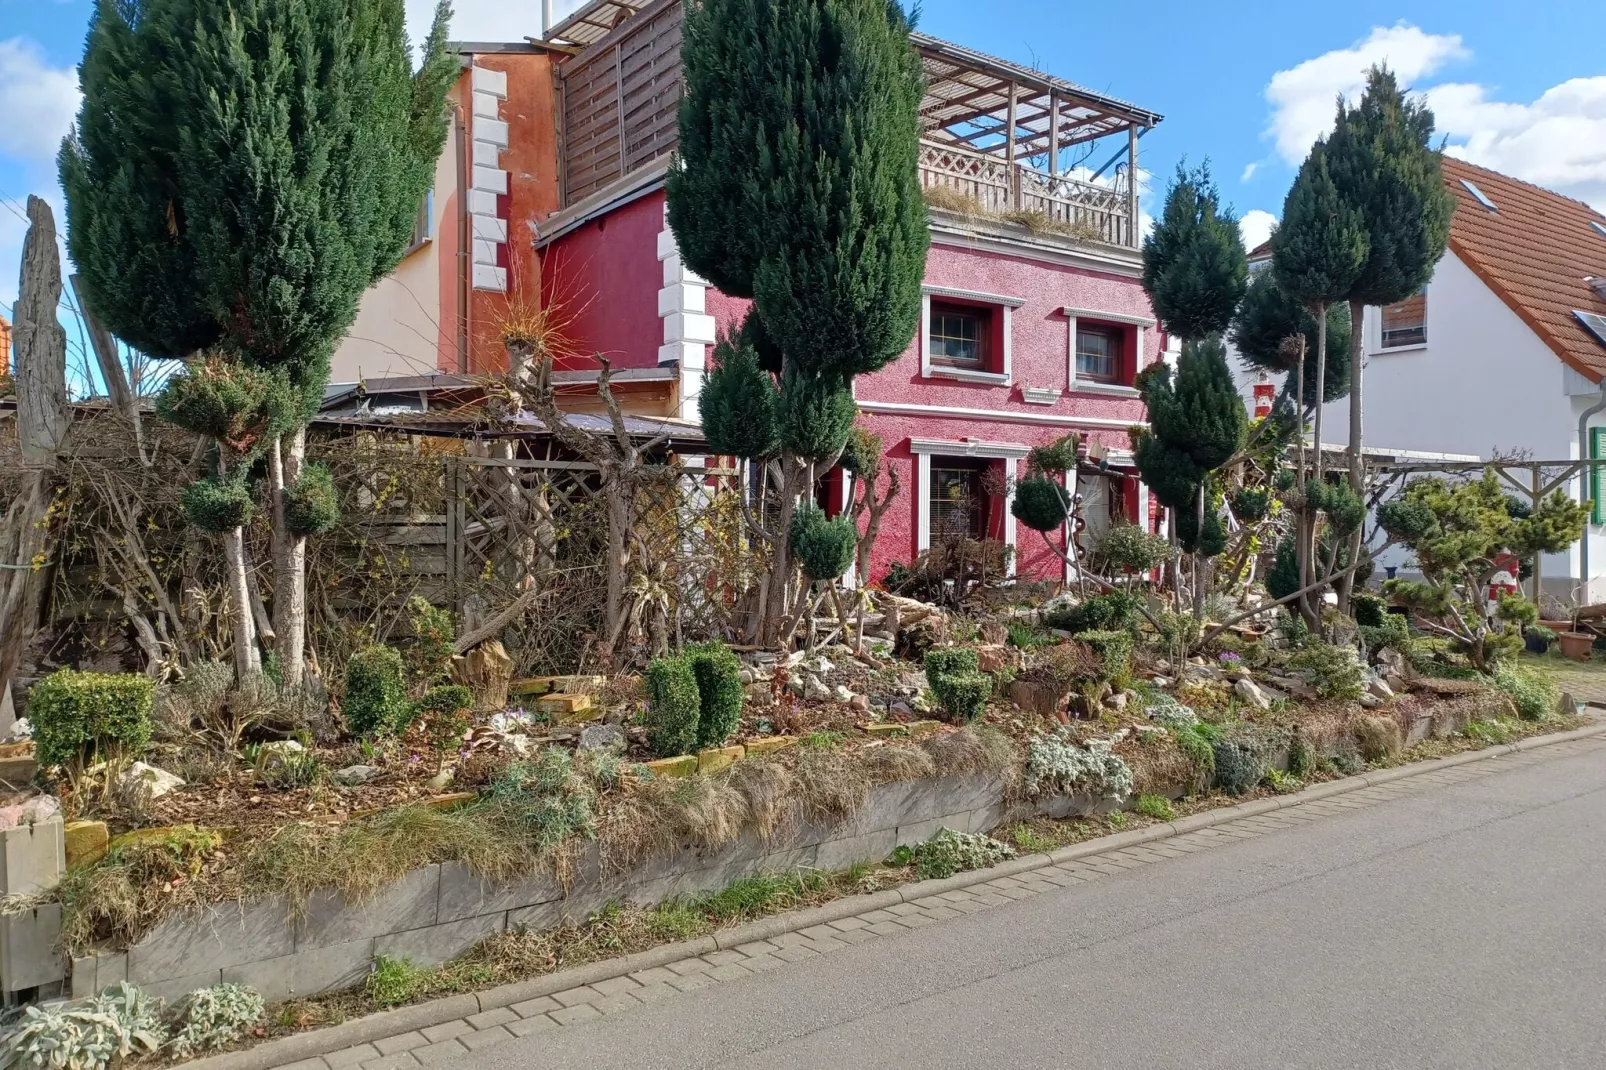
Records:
x=285, y=1050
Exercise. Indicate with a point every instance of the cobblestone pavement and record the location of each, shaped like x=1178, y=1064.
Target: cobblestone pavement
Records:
x=452, y=1042
x=1586, y=684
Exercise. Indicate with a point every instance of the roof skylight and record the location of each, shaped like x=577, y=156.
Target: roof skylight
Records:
x=1483, y=198
x=1595, y=323
x=1600, y=228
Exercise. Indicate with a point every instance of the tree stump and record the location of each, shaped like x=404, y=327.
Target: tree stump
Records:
x=487, y=670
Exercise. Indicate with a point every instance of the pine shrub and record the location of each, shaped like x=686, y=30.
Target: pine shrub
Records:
x=217, y=505
x=673, y=706
x=311, y=505
x=1116, y=610
x=78, y=715
x=719, y=690
x=824, y=548
x=1115, y=650
x=1335, y=672
x=1040, y=504
x=375, y=701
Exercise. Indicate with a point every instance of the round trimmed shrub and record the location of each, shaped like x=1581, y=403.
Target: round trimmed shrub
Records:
x=217, y=505
x=311, y=505
x=1251, y=504
x=963, y=695
x=77, y=715
x=719, y=691
x=375, y=700
x=945, y=660
x=1040, y=504
x=673, y=706
x=1115, y=611
x=824, y=548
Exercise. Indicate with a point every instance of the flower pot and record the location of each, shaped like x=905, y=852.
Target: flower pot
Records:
x=1576, y=645
x=1536, y=644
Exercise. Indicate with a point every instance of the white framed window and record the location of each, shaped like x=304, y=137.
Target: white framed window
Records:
x=966, y=335
x=1404, y=324
x=423, y=222
x=949, y=490
x=1103, y=350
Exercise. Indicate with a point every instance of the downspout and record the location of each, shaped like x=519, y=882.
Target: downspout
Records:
x=1584, y=484
x=546, y=18
x=464, y=251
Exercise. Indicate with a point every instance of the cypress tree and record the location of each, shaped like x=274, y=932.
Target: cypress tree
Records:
x=1317, y=253
x=238, y=176
x=1194, y=265
x=1383, y=164
x=797, y=184
x=1269, y=317
x=738, y=402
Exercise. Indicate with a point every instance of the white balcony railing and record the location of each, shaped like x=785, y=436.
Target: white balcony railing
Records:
x=978, y=182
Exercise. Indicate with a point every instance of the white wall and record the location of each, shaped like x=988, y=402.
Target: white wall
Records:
x=399, y=330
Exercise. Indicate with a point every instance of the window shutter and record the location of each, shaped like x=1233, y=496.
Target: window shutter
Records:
x=1597, y=485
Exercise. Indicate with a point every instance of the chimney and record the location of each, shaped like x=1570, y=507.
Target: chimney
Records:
x=546, y=18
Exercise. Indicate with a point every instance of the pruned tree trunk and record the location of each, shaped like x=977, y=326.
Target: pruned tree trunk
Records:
x=286, y=460
x=247, y=657
x=40, y=374
x=1357, y=474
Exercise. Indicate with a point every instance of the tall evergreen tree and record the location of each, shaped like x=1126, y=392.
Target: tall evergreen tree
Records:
x=1194, y=265
x=1269, y=318
x=239, y=175
x=797, y=184
x=1318, y=251
x=1383, y=164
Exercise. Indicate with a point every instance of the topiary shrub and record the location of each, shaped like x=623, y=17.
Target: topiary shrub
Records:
x=1370, y=610
x=1040, y=504
x=78, y=715
x=673, y=707
x=447, y=698
x=719, y=690
x=311, y=505
x=943, y=661
x=823, y=548
x=1238, y=768
x=1115, y=651
x=217, y=505
x=963, y=695
x=1251, y=504
x=1128, y=548
x=1101, y=613
x=375, y=701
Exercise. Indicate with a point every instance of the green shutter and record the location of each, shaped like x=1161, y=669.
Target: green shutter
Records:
x=1597, y=486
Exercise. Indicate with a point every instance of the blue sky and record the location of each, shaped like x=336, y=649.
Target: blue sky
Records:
x=1521, y=88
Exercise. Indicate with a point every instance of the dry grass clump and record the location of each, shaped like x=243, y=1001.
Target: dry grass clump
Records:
x=832, y=784
x=897, y=762
x=771, y=791
x=1159, y=765
x=1378, y=738
x=128, y=894
x=969, y=751
x=948, y=199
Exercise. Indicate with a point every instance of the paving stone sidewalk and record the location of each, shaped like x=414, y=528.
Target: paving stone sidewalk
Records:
x=449, y=1041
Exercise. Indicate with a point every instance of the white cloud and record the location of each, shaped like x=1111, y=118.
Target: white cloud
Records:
x=37, y=100
x=1249, y=171
x=1256, y=226
x=1558, y=141
x=1304, y=97
x=486, y=20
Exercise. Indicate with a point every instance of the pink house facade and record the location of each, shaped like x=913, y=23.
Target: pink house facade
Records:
x=1033, y=323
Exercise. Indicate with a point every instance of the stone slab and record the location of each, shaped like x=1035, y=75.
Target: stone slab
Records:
x=410, y=903
x=206, y=940
x=32, y=858
x=29, y=955
x=436, y=944
x=86, y=842
x=465, y=895
x=306, y=973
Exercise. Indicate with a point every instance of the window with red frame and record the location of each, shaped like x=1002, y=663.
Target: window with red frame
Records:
x=1099, y=353
x=961, y=337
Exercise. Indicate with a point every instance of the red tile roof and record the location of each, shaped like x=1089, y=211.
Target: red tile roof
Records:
x=1534, y=252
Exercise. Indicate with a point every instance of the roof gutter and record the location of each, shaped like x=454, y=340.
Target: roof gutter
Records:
x=1584, y=483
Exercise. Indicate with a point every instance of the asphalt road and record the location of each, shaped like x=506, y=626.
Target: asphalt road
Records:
x=1459, y=927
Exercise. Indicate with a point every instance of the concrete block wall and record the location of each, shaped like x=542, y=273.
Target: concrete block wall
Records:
x=436, y=913
x=33, y=859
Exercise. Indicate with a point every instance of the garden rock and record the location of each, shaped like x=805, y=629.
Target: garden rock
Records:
x=1381, y=689
x=900, y=707
x=814, y=689
x=609, y=737
x=281, y=748
x=441, y=780
x=20, y=731
x=824, y=667
x=860, y=703
x=149, y=780
x=842, y=694
x=993, y=657
x=1371, y=701
x=30, y=812
x=1249, y=691
x=353, y=776
x=1393, y=662
x=746, y=677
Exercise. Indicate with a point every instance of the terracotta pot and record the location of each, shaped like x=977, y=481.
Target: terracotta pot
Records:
x=1576, y=645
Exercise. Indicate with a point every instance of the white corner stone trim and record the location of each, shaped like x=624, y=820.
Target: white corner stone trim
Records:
x=490, y=137
x=688, y=328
